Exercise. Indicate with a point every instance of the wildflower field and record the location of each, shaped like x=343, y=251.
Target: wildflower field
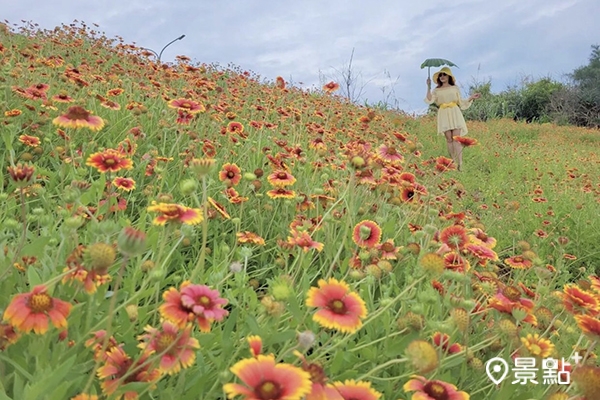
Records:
x=188, y=231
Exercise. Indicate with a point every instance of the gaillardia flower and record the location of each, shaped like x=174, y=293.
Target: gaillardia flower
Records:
x=281, y=178
x=433, y=390
x=31, y=311
x=186, y=105
x=265, y=379
x=109, y=160
x=537, y=346
x=339, y=308
x=359, y=390
x=176, y=213
x=78, y=117
x=177, y=347
x=366, y=234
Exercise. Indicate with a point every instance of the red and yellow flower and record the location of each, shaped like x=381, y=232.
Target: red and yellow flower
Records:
x=433, y=390
x=331, y=87
x=31, y=141
x=281, y=193
x=264, y=379
x=366, y=234
x=537, y=346
x=518, y=262
x=231, y=174
x=126, y=184
x=31, y=311
x=255, y=344
x=187, y=106
x=455, y=237
x=78, y=117
x=356, y=390
x=281, y=178
x=303, y=240
x=589, y=325
x=339, y=307
x=109, y=160
x=175, y=213
x=176, y=347
x=120, y=369
x=250, y=237
x=579, y=301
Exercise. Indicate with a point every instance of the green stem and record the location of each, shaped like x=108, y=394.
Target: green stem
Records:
x=202, y=258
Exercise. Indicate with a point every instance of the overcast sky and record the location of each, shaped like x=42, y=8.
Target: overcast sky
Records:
x=309, y=41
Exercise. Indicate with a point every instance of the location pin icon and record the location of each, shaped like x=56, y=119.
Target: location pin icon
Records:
x=496, y=369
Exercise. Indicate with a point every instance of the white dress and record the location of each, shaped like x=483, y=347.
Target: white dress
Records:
x=450, y=103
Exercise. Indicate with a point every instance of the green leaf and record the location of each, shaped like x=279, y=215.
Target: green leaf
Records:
x=48, y=380
x=36, y=248
x=33, y=277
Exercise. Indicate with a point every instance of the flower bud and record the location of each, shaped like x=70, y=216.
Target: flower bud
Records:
x=131, y=242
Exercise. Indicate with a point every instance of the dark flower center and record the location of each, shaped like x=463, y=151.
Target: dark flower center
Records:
x=391, y=151
x=77, y=113
x=110, y=161
x=436, y=391
x=281, y=175
x=337, y=306
x=40, y=303
x=230, y=174
x=268, y=390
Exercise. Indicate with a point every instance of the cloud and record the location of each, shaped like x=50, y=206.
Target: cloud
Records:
x=312, y=40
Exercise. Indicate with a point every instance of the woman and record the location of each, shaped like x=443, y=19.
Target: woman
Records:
x=450, y=120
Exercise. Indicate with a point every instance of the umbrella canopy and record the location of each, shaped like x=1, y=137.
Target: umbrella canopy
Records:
x=436, y=62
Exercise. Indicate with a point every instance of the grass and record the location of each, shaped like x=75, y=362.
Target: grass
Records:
x=273, y=195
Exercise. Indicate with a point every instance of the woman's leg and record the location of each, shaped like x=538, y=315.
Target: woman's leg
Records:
x=458, y=148
x=450, y=144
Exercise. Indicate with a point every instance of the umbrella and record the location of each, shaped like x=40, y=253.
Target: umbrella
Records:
x=436, y=62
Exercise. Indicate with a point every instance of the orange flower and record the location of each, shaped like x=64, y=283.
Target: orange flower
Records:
x=193, y=302
x=389, y=154
x=175, y=347
x=21, y=174
x=579, y=301
x=78, y=117
x=281, y=178
x=366, y=234
x=187, y=106
x=433, y=390
x=466, y=141
x=62, y=98
x=31, y=141
x=250, y=237
x=175, y=213
x=442, y=340
x=388, y=250
x=120, y=369
x=109, y=160
x=537, y=346
x=303, y=240
x=331, y=87
x=126, y=184
x=100, y=344
x=235, y=127
x=443, y=164
x=13, y=113
x=589, y=325
x=255, y=343
x=455, y=237
x=265, y=379
x=279, y=83
x=509, y=299
x=231, y=174
x=356, y=390
x=8, y=335
x=339, y=308
x=234, y=197
x=478, y=236
x=518, y=262
x=281, y=193
x=483, y=253
x=220, y=209
x=454, y=261
x=31, y=311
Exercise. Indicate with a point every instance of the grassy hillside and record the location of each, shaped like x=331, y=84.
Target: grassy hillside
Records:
x=189, y=231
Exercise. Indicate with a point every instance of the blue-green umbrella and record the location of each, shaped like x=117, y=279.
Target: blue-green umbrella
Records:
x=436, y=62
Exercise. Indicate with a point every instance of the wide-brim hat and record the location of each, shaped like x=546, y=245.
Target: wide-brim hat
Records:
x=445, y=70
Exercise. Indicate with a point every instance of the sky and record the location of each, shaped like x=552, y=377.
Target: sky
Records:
x=310, y=42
